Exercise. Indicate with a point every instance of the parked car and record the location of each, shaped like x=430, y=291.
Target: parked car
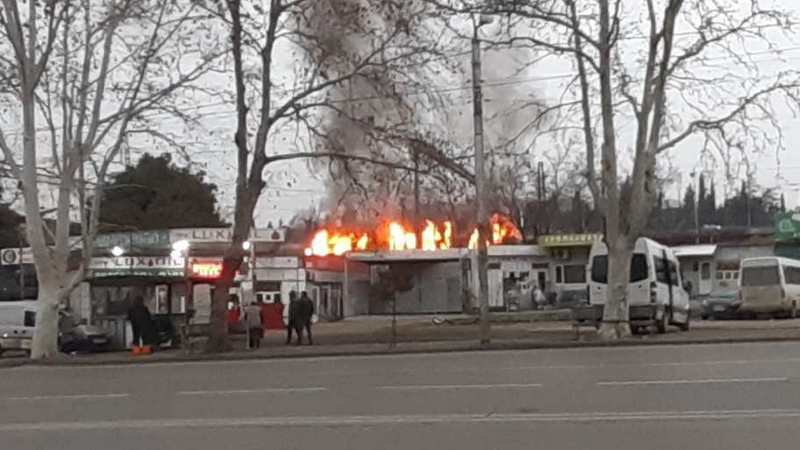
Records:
x=721, y=307
x=84, y=339
x=17, y=322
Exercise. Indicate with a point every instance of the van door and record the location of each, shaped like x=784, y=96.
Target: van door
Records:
x=640, y=277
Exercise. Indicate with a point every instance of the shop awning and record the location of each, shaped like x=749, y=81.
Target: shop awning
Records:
x=408, y=256
x=695, y=251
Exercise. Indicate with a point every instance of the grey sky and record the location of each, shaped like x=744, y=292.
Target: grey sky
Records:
x=293, y=187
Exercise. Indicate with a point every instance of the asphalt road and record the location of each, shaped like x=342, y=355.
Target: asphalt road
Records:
x=743, y=396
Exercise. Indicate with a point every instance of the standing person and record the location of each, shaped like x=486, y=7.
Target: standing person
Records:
x=539, y=299
x=305, y=319
x=141, y=323
x=255, y=327
x=290, y=313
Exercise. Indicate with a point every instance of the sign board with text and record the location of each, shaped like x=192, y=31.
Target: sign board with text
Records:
x=787, y=227
x=137, y=266
x=225, y=235
x=569, y=240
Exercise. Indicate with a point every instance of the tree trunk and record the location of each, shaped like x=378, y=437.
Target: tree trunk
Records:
x=45, y=336
x=483, y=283
x=218, y=340
x=616, y=313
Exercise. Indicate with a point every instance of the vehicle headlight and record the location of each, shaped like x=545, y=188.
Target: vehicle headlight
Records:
x=5, y=335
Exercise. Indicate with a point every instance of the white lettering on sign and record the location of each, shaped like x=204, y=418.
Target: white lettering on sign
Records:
x=225, y=235
x=137, y=262
x=278, y=262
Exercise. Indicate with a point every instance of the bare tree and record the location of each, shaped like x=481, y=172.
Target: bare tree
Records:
x=94, y=74
x=697, y=74
x=316, y=35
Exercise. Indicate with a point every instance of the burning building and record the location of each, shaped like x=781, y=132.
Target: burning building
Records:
x=439, y=260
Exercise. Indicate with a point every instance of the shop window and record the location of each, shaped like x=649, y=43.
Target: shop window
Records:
x=30, y=319
x=574, y=274
x=706, y=272
x=559, y=274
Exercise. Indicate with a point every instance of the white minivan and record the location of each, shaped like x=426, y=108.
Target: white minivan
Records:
x=17, y=322
x=769, y=285
x=656, y=293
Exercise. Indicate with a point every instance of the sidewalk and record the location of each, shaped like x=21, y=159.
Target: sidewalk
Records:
x=372, y=336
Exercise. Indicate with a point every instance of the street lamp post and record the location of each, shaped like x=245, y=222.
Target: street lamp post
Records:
x=480, y=180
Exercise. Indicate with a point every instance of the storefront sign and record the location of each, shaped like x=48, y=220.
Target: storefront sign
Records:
x=787, y=227
x=144, y=240
x=224, y=235
x=205, y=269
x=277, y=262
x=569, y=240
x=137, y=266
x=11, y=256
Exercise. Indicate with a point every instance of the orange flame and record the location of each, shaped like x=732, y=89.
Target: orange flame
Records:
x=325, y=243
x=396, y=236
x=400, y=238
x=434, y=239
x=503, y=230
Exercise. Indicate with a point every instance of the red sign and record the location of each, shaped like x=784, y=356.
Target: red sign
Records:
x=206, y=270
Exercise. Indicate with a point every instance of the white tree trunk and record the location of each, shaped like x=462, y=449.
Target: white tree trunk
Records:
x=45, y=337
x=616, y=312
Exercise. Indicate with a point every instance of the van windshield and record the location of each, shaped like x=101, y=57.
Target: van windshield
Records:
x=638, y=268
x=761, y=276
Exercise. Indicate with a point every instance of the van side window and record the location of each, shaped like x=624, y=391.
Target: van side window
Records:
x=30, y=319
x=792, y=274
x=661, y=269
x=673, y=273
x=638, y=268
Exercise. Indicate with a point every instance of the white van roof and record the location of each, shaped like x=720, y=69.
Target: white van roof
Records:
x=25, y=304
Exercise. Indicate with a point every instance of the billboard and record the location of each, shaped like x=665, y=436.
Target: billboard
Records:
x=787, y=227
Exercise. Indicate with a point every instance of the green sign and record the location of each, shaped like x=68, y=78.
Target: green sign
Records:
x=132, y=241
x=787, y=227
x=569, y=240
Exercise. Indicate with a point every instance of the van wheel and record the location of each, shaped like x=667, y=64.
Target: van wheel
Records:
x=661, y=325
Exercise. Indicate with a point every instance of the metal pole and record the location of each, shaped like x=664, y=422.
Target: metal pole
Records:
x=480, y=193
x=21, y=266
x=696, y=189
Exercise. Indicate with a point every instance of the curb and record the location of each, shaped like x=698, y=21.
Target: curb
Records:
x=384, y=351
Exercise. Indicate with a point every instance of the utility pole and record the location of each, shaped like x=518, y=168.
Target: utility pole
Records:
x=696, y=207
x=482, y=217
x=417, y=224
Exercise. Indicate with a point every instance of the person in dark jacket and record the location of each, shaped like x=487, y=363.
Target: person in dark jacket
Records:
x=304, y=318
x=291, y=314
x=141, y=323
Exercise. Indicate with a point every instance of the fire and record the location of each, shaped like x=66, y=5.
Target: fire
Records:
x=434, y=239
x=400, y=238
x=325, y=243
x=396, y=236
x=502, y=229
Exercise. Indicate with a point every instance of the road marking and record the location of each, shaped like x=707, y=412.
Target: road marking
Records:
x=288, y=390
x=413, y=419
x=423, y=387
x=723, y=362
x=702, y=381
x=69, y=397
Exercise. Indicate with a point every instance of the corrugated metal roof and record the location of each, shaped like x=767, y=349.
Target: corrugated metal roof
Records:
x=694, y=250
